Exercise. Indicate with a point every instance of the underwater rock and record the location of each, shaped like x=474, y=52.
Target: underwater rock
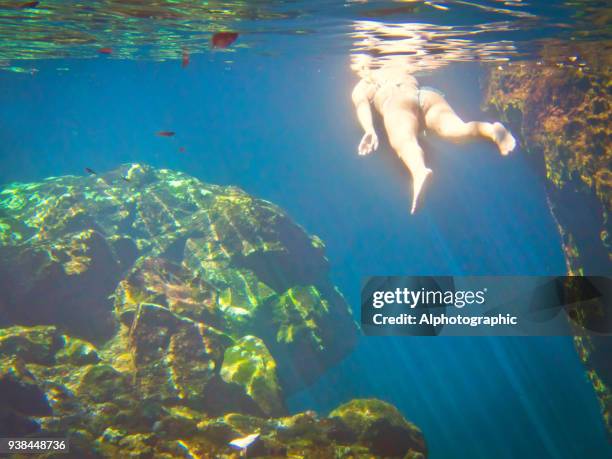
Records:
x=249, y=364
x=100, y=383
x=20, y=398
x=561, y=108
x=211, y=254
x=381, y=427
x=64, y=282
x=170, y=357
x=31, y=344
x=308, y=436
x=296, y=327
x=159, y=281
x=76, y=352
x=159, y=316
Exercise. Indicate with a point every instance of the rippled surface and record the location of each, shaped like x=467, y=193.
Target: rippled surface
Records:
x=94, y=84
x=160, y=30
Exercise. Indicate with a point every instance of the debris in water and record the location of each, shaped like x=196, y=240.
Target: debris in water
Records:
x=28, y=5
x=243, y=443
x=223, y=39
x=436, y=6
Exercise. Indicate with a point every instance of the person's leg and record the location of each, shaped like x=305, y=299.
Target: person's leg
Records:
x=442, y=119
x=402, y=127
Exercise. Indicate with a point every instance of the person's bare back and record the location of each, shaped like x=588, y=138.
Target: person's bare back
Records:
x=406, y=111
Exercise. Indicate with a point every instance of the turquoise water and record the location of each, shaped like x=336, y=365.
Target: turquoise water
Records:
x=273, y=116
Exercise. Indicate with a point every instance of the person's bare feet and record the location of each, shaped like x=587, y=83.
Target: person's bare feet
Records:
x=418, y=182
x=503, y=138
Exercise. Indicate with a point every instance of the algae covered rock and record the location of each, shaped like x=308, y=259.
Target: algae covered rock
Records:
x=561, y=108
x=250, y=364
x=306, y=435
x=213, y=255
x=560, y=105
x=31, y=344
x=63, y=281
x=381, y=427
x=297, y=324
x=144, y=313
x=76, y=352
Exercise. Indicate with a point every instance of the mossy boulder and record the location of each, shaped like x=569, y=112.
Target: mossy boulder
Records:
x=381, y=427
x=560, y=106
x=144, y=313
x=308, y=435
x=211, y=255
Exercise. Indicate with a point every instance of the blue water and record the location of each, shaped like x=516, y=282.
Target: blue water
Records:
x=283, y=129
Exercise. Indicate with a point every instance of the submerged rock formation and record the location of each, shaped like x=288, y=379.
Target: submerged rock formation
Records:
x=146, y=314
x=561, y=108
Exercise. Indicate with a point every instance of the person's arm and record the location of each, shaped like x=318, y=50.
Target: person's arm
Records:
x=361, y=100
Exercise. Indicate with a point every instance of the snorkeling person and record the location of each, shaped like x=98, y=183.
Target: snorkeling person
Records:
x=407, y=110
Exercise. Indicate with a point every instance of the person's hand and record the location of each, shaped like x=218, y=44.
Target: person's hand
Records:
x=369, y=143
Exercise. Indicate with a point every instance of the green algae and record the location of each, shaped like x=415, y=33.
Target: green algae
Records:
x=76, y=352
x=250, y=364
x=381, y=426
x=101, y=382
x=32, y=344
x=296, y=315
x=562, y=112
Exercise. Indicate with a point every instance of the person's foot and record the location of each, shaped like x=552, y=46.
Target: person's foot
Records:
x=418, y=182
x=504, y=140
